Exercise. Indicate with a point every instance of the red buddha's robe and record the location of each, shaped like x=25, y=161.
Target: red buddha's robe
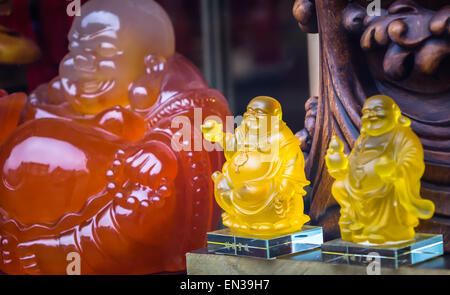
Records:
x=109, y=187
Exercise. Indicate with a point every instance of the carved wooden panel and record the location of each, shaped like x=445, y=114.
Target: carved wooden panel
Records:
x=404, y=53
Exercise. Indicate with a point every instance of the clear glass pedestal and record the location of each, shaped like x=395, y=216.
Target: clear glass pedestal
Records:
x=422, y=248
x=225, y=242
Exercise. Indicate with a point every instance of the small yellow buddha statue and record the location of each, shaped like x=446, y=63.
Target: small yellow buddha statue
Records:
x=378, y=185
x=261, y=184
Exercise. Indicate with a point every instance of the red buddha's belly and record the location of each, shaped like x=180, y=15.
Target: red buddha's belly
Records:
x=51, y=167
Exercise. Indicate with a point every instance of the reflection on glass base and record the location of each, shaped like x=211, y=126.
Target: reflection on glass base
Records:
x=225, y=242
x=422, y=248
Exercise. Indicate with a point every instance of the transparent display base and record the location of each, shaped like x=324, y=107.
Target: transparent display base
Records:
x=422, y=248
x=225, y=242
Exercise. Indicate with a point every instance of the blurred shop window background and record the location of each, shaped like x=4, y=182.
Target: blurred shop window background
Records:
x=269, y=56
x=244, y=48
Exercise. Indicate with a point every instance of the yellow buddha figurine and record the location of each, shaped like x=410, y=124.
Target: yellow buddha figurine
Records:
x=261, y=184
x=378, y=185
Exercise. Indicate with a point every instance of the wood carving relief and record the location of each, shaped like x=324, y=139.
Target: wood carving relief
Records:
x=403, y=53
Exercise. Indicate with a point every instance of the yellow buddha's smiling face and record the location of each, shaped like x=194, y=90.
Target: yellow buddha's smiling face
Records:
x=379, y=116
x=254, y=118
x=107, y=49
x=262, y=112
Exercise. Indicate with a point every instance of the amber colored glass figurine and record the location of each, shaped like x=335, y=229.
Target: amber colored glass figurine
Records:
x=378, y=185
x=261, y=184
x=90, y=167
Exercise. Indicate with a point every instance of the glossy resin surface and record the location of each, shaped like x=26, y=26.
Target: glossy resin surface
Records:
x=261, y=184
x=89, y=166
x=378, y=184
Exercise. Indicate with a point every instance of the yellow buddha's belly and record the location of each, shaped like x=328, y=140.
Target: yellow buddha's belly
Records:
x=250, y=178
x=248, y=166
x=362, y=176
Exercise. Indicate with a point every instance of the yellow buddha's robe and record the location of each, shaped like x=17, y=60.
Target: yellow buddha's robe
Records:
x=377, y=211
x=249, y=187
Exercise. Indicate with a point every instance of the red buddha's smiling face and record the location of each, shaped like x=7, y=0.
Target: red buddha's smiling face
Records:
x=101, y=63
x=108, y=44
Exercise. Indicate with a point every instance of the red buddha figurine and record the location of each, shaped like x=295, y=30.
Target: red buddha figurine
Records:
x=87, y=164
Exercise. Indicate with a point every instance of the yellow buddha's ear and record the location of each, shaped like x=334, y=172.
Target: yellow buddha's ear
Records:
x=403, y=121
x=278, y=113
x=400, y=119
x=363, y=131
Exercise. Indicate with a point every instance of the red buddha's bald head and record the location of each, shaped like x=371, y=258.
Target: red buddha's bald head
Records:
x=108, y=44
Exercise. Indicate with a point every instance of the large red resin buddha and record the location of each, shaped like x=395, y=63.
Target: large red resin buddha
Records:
x=87, y=164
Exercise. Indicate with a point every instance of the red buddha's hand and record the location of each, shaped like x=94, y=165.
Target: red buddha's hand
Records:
x=8, y=261
x=121, y=122
x=31, y=254
x=151, y=163
x=10, y=111
x=144, y=206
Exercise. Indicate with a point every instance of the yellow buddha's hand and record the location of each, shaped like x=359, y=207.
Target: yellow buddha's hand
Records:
x=212, y=131
x=386, y=169
x=286, y=188
x=335, y=158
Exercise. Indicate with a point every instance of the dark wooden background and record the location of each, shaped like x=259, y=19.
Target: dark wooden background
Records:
x=403, y=53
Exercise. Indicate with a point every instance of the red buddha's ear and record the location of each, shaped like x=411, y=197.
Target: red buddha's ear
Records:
x=144, y=92
x=154, y=63
x=11, y=107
